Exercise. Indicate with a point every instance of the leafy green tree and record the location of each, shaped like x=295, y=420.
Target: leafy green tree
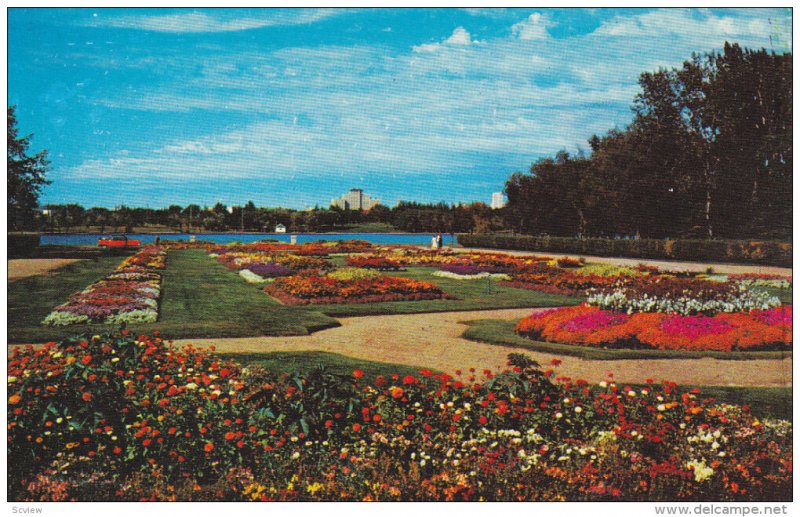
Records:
x=26, y=176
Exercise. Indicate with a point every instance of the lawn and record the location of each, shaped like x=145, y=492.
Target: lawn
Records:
x=200, y=298
x=501, y=332
x=304, y=362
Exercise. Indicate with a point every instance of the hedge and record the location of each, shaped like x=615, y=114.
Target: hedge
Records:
x=753, y=252
x=22, y=244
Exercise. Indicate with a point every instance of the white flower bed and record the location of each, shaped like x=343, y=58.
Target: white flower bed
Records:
x=477, y=276
x=742, y=302
x=252, y=278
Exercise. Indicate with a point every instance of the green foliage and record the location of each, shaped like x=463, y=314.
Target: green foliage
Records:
x=753, y=252
x=26, y=176
x=708, y=154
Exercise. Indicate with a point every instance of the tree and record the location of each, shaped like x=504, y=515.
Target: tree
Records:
x=26, y=176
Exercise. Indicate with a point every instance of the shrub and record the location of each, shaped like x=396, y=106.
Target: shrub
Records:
x=754, y=252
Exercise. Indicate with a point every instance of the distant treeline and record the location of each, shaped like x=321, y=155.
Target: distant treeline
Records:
x=708, y=154
x=406, y=216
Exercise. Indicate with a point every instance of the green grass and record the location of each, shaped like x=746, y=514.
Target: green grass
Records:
x=200, y=298
x=501, y=332
x=304, y=362
x=31, y=299
x=764, y=402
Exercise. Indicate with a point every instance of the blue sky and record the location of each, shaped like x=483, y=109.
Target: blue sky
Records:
x=292, y=107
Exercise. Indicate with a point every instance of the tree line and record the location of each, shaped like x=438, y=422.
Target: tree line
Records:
x=406, y=216
x=708, y=154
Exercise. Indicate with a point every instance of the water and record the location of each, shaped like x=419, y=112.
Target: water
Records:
x=90, y=239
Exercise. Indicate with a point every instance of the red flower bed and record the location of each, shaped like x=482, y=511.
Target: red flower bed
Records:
x=315, y=288
x=373, y=262
x=124, y=418
x=555, y=280
x=585, y=325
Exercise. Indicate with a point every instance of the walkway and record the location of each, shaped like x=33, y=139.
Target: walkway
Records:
x=434, y=341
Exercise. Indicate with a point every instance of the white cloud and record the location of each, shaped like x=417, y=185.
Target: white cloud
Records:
x=198, y=22
x=532, y=28
x=434, y=112
x=460, y=37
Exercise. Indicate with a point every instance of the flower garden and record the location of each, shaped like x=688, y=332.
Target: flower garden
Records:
x=132, y=418
x=129, y=294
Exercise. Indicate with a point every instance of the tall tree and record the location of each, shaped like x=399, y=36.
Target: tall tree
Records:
x=26, y=176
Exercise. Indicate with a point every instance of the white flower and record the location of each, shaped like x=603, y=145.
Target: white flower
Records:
x=603, y=384
x=661, y=407
x=578, y=409
x=559, y=415
x=631, y=393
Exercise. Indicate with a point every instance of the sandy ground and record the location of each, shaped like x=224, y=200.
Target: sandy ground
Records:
x=661, y=264
x=433, y=341
x=23, y=268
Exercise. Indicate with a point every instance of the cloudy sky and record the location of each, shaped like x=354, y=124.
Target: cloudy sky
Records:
x=291, y=107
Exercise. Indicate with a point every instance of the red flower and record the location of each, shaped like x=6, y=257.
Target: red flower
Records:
x=87, y=397
x=358, y=373
x=409, y=379
x=117, y=450
x=483, y=420
x=230, y=435
x=146, y=442
x=208, y=447
x=86, y=359
x=356, y=427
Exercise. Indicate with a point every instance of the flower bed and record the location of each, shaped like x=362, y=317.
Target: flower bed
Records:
x=681, y=296
x=128, y=295
x=373, y=262
x=591, y=326
x=315, y=288
x=132, y=418
x=554, y=280
x=761, y=280
x=475, y=276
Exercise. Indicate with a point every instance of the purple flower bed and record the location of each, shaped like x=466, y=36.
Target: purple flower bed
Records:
x=270, y=270
x=594, y=321
x=694, y=327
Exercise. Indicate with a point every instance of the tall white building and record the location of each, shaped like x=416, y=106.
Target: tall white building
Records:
x=498, y=200
x=355, y=199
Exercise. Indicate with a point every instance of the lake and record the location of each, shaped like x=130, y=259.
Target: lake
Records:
x=90, y=239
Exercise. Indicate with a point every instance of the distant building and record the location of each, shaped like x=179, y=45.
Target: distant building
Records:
x=279, y=228
x=498, y=200
x=355, y=199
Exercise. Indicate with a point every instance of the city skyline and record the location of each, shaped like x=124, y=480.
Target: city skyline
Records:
x=152, y=107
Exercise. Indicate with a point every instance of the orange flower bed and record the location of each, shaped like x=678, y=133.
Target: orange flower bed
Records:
x=585, y=325
x=315, y=288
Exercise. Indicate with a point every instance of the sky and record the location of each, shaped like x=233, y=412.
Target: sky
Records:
x=293, y=107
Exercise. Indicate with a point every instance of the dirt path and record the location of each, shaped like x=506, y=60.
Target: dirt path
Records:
x=433, y=341
x=23, y=268
x=661, y=264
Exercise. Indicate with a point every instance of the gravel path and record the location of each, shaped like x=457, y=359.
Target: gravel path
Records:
x=661, y=264
x=433, y=341
x=23, y=268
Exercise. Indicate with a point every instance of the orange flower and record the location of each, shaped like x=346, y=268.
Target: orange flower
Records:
x=358, y=373
x=87, y=397
x=14, y=399
x=208, y=447
x=397, y=392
